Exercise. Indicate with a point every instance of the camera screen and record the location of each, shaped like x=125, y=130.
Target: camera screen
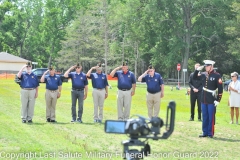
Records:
x=112, y=126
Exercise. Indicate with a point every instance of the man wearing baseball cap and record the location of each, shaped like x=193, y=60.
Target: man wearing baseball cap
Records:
x=212, y=81
x=155, y=90
x=53, y=92
x=100, y=91
x=126, y=89
x=29, y=92
x=79, y=90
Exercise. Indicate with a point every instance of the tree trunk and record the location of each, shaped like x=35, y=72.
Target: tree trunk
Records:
x=136, y=59
x=187, y=38
x=50, y=58
x=105, y=36
x=123, y=48
x=49, y=61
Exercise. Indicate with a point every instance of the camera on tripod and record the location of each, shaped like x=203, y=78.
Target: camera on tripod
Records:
x=142, y=128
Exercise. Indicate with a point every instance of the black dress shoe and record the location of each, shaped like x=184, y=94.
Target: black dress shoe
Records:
x=53, y=121
x=201, y=135
x=24, y=121
x=79, y=120
x=30, y=121
x=48, y=120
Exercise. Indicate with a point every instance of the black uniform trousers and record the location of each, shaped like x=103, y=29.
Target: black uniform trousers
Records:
x=195, y=96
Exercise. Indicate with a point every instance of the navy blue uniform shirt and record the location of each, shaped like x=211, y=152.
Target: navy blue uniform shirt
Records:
x=125, y=81
x=99, y=80
x=153, y=83
x=79, y=81
x=29, y=80
x=52, y=82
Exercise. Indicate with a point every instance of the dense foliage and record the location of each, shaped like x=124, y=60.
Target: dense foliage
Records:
x=142, y=32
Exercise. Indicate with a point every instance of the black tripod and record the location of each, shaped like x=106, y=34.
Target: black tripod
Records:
x=134, y=154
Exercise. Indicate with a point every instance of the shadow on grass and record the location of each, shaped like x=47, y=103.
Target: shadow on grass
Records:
x=36, y=123
x=43, y=123
x=226, y=139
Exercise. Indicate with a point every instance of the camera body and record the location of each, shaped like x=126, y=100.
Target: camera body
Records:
x=144, y=128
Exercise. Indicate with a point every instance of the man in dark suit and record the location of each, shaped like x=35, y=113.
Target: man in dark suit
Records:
x=195, y=94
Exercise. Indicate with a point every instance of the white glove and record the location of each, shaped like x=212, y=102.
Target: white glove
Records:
x=200, y=68
x=216, y=103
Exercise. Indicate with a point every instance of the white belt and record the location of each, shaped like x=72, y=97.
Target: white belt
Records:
x=211, y=91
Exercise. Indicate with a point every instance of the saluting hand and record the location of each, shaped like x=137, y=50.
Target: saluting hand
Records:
x=73, y=67
x=25, y=66
x=95, y=67
x=46, y=71
x=120, y=67
x=146, y=72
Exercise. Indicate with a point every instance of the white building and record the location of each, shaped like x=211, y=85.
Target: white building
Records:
x=11, y=63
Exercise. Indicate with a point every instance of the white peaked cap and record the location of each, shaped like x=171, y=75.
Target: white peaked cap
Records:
x=208, y=62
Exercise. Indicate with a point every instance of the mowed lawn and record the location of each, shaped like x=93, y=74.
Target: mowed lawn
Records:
x=66, y=140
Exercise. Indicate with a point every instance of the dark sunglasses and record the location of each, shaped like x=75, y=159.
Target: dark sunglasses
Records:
x=29, y=66
x=77, y=67
x=233, y=76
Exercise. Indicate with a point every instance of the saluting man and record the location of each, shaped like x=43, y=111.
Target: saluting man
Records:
x=79, y=90
x=53, y=92
x=212, y=81
x=100, y=91
x=29, y=92
x=126, y=89
x=155, y=90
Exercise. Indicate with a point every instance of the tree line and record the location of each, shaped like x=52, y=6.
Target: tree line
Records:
x=142, y=32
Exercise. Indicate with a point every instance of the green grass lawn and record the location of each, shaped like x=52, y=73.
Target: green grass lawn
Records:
x=66, y=140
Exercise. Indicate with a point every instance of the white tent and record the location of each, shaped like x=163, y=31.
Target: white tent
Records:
x=9, y=62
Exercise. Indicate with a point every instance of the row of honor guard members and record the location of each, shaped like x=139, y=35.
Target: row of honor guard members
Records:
x=126, y=89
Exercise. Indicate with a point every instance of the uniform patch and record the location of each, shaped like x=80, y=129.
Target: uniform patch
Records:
x=102, y=77
x=212, y=78
x=155, y=79
x=55, y=78
x=220, y=81
x=81, y=78
x=128, y=75
x=32, y=77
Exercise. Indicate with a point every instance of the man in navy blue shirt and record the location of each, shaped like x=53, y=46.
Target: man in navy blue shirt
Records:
x=29, y=92
x=126, y=89
x=155, y=90
x=53, y=92
x=100, y=91
x=79, y=90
